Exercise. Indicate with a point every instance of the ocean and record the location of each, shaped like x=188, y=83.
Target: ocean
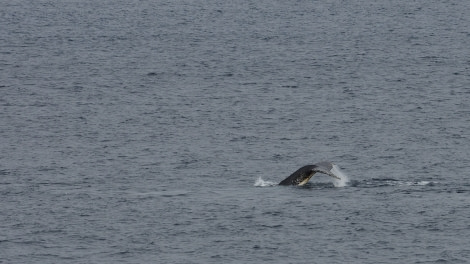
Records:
x=157, y=131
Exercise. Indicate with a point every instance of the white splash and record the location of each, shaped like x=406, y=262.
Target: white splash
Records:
x=344, y=179
x=262, y=183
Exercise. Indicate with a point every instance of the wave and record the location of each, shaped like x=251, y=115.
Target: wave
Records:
x=375, y=182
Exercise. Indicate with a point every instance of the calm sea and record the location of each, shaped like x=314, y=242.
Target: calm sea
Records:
x=153, y=131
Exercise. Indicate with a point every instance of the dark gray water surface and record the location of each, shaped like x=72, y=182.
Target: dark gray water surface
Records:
x=134, y=131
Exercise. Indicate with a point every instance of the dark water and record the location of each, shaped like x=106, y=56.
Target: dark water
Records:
x=136, y=131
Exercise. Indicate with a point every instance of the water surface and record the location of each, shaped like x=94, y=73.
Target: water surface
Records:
x=136, y=131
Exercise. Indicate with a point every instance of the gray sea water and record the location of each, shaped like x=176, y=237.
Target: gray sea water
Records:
x=155, y=131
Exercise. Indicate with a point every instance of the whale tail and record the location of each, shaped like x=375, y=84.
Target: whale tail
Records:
x=303, y=175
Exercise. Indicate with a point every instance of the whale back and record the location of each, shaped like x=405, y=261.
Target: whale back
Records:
x=303, y=175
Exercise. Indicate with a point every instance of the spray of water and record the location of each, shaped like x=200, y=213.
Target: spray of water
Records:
x=343, y=178
x=262, y=183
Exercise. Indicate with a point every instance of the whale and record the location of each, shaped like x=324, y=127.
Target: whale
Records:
x=302, y=176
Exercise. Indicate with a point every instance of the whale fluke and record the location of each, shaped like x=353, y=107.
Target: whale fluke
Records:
x=303, y=175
